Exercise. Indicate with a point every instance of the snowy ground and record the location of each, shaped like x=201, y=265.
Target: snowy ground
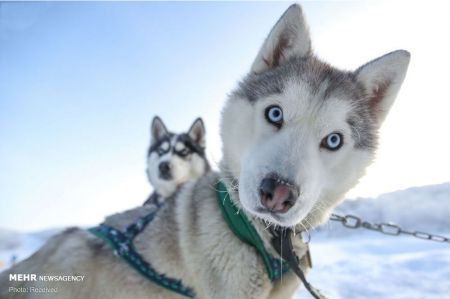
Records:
x=354, y=263
x=364, y=264
x=372, y=266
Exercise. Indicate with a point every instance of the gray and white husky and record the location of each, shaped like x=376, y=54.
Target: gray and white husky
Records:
x=297, y=135
x=173, y=159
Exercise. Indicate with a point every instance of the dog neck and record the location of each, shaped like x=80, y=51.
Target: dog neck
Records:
x=232, y=185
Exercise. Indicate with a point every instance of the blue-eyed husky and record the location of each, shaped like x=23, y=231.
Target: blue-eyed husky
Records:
x=173, y=159
x=297, y=135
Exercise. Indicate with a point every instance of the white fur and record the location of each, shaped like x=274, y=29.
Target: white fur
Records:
x=189, y=239
x=253, y=148
x=257, y=148
x=182, y=169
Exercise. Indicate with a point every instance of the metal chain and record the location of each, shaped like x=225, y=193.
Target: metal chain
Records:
x=353, y=222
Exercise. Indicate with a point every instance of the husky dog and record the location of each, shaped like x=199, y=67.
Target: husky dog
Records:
x=173, y=159
x=297, y=134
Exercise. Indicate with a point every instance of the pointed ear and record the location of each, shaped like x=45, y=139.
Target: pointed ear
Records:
x=288, y=38
x=158, y=129
x=198, y=133
x=382, y=79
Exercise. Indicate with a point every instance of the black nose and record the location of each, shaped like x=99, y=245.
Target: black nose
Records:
x=277, y=195
x=164, y=170
x=268, y=186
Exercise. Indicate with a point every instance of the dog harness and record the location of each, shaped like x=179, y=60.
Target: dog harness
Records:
x=281, y=241
x=122, y=244
x=245, y=231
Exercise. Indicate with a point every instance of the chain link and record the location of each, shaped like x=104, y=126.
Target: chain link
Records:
x=354, y=222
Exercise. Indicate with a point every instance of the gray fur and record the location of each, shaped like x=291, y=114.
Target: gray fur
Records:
x=189, y=238
x=182, y=156
x=325, y=82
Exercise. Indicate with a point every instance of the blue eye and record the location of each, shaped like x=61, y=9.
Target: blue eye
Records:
x=274, y=115
x=333, y=141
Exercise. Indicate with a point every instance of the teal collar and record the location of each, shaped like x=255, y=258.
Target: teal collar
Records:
x=246, y=232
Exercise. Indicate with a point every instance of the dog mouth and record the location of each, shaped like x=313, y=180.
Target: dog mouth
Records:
x=165, y=176
x=277, y=195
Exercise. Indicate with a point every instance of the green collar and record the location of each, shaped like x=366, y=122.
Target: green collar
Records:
x=246, y=232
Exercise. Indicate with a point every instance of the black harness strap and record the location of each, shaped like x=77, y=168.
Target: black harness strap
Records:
x=123, y=247
x=282, y=243
x=154, y=199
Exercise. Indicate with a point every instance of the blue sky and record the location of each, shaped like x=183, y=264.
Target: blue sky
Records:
x=80, y=82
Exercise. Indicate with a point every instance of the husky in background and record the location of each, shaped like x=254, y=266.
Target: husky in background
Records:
x=297, y=135
x=173, y=159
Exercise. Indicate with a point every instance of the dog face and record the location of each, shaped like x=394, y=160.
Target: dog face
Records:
x=298, y=133
x=173, y=159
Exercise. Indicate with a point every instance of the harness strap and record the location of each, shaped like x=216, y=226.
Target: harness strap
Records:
x=153, y=199
x=122, y=245
x=282, y=242
x=135, y=228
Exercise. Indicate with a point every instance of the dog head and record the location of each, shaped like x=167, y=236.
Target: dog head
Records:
x=173, y=159
x=298, y=133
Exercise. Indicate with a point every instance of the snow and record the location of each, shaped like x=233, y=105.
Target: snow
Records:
x=353, y=263
x=364, y=264
x=18, y=246
x=376, y=266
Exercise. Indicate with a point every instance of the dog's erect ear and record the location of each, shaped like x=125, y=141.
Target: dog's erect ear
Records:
x=288, y=38
x=158, y=129
x=198, y=133
x=382, y=79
